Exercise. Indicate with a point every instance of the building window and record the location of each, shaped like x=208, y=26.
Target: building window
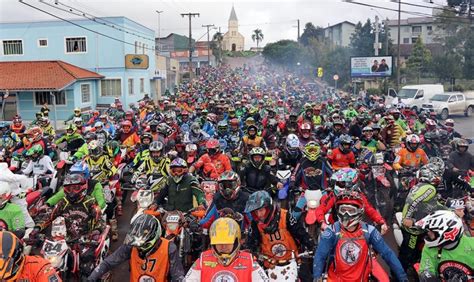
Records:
x=414, y=39
x=111, y=87
x=76, y=45
x=86, y=93
x=429, y=28
x=142, y=85
x=130, y=86
x=416, y=29
x=44, y=97
x=12, y=47
x=406, y=40
x=42, y=42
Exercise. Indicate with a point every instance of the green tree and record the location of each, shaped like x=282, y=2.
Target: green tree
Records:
x=257, y=36
x=468, y=56
x=311, y=32
x=419, y=60
x=446, y=66
x=362, y=40
x=337, y=61
x=284, y=53
x=216, y=46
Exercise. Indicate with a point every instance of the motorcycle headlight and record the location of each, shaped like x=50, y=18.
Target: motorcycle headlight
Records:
x=312, y=204
x=55, y=261
x=172, y=226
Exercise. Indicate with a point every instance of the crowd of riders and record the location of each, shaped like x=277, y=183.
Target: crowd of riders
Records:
x=243, y=174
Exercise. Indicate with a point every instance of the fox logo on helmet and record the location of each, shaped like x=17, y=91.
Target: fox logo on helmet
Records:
x=451, y=235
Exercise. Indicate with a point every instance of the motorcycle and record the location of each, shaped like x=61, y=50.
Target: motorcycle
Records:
x=313, y=198
x=405, y=181
x=191, y=153
x=284, y=270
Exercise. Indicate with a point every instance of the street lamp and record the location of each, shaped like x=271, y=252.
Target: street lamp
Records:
x=159, y=30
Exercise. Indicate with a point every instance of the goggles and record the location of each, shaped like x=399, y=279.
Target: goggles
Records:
x=178, y=170
x=349, y=210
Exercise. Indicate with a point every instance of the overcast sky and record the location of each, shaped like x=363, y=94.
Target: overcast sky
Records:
x=276, y=19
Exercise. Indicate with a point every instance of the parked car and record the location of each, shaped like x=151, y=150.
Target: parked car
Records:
x=450, y=103
x=416, y=95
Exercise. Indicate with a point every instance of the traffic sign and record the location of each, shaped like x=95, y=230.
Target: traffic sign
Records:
x=320, y=72
x=335, y=77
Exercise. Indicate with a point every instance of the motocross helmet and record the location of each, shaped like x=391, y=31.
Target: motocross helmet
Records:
x=195, y=128
x=461, y=145
x=212, y=146
x=449, y=123
x=229, y=185
x=344, y=179
x=34, y=134
x=178, y=168
x=129, y=115
x=311, y=151
x=95, y=149
x=153, y=125
x=80, y=168
x=126, y=126
x=35, y=152
x=305, y=130
x=70, y=129
x=156, y=148
x=350, y=208
x=252, y=131
x=249, y=121
x=337, y=125
x=292, y=144
x=222, y=127
x=12, y=258
x=226, y=231
x=257, y=201
x=90, y=136
x=144, y=234
x=146, y=138
x=412, y=142
x=444, y=228
x=98, y=126
x=257, y=157
x=234, y=124
x=5, y=193
x=4, y=126
x=368, y=132
x=345, y=142
x=75, y=187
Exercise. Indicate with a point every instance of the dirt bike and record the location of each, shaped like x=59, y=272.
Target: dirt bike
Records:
x=191, y=153
x=283, y=193
x=313, y=198
x=404, y=182
x=284, y=270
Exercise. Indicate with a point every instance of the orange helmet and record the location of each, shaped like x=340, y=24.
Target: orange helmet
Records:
x=34, y=134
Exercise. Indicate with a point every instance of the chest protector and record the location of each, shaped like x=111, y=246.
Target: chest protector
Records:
x=280, y=244
x=239, y=270
x=152, y=269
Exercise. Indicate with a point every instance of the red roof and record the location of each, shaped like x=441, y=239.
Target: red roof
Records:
x=41, y=75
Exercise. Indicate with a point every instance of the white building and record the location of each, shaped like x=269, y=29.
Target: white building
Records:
x=233, y=40
x=412, y=28
x=340, y=33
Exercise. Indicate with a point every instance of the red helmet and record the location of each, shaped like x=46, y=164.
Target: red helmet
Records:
x=234, y=122
x=126, y=126
x=212, y=144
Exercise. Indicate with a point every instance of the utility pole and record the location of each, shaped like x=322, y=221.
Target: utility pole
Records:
x=398, y=45
x=208, y=43
x=159, y=30
x=190, y=15
x=298, y=21
x=376, y=43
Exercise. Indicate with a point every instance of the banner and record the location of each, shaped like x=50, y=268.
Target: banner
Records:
x=371, y=66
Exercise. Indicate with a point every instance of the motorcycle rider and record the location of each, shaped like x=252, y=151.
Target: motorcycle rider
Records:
x=342, y=156
x=274, y=232
x=143, y=152
x=40, y=165
x=305, y=133
x=225, y=256
x=180, y=189
x=412, y=156
x=229, y=196
x=156, y=163
x=345, y=247
x=392, y=134
x=72, y=138
x=126, y=136
x=11, y=215
x=459, y=162
x=17, y=126
x=367, y=141
x=251, y=140
x=19, y=267
x=151, y=257
x=46, y=126
x=447, y=253
x=102, y=135
x=256, y=175
x=291, y=154
x=421, y=200
x=76, y=114
x=214, y=156
x=8, y=139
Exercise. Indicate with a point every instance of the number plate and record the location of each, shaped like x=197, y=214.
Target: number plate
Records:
x=51, y=248
x=172, y=219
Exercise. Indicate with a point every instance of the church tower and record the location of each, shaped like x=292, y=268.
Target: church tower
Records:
x=233, y=40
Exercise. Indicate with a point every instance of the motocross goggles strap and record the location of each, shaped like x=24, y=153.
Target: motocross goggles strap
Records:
x=349, y=210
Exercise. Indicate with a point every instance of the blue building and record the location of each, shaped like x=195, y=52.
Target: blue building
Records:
x=118, y=51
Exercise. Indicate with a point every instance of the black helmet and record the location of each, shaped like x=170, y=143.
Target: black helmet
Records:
x=259, y=200
x=345, y=140
x=145, y=232
x=461, y=143
x=146, y=135
x=11, y=256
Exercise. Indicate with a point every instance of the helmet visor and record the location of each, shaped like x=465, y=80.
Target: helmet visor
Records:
x=348, y=210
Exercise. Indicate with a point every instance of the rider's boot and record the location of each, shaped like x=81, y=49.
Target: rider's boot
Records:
x=114, y=229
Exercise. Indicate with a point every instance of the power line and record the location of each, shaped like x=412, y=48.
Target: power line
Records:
x=95, y=19
x=83, y=27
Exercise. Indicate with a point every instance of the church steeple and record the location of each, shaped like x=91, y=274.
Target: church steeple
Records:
x=233, y=15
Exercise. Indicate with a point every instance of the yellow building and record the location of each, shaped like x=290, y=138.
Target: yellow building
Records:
x=233, y=40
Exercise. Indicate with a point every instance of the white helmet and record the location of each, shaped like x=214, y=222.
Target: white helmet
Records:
x=292, y=141
x=446, y=226
x=5, y=193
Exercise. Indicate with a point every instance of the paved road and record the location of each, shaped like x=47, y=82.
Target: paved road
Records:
x=463, y=125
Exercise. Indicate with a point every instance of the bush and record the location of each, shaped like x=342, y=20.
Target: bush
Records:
x=459, y=88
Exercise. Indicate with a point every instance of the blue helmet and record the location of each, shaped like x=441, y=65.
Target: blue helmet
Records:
x=82, y=168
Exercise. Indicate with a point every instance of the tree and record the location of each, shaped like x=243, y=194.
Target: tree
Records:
x=337, y=62
x=257, y=36
x=468, y=56
x=311, y=32
x=447, y=66
x=284, y=53
x=216, y=46
x=419, y=60
x=362, y=40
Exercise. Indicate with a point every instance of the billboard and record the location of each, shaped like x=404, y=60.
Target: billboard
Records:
x=371, y=66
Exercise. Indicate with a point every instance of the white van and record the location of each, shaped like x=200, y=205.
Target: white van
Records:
x=416, y=95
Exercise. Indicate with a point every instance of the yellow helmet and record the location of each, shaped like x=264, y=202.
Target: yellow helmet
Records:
x=225, y=231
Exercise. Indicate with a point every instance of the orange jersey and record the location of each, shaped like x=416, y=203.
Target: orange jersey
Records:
x=37, y=269
x=280, y=244
x=131, y=140
x=154, y=267
x=406, y=158
x=220, y=161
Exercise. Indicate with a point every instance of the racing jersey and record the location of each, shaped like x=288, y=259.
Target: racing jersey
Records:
x=448, y=265
x=154, y=267
x=341, y=160
x=102, y=168
x=406, y=158
x=243, y=269
x=11, y=218
x=221, y=162
x=37, y=269
x=150, y=167
x=371, y=145
x=94, y=188
x=40, y=167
